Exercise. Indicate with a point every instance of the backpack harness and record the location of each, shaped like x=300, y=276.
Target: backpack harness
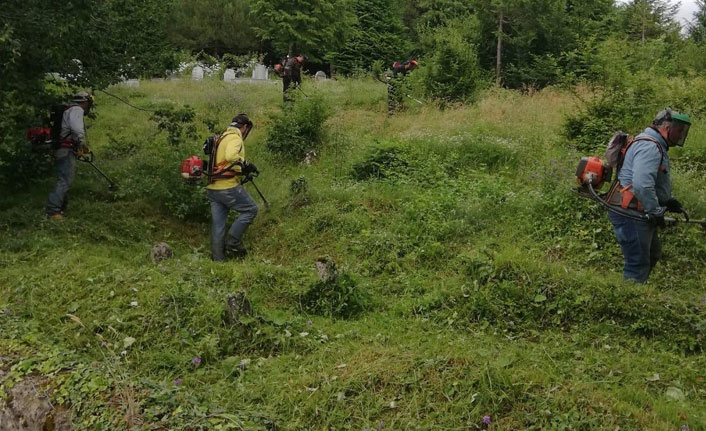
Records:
x=624, y=196
x=223, y=170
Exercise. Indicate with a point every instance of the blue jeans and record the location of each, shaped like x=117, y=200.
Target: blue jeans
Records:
x=222, y=201
x=640, y=244
x=66, y=167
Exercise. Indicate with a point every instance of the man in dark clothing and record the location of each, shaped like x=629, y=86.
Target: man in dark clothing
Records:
x=396, y=86
x=291, y=74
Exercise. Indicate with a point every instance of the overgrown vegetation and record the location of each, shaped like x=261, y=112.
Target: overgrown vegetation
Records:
x=299, y=128
x=472, y=282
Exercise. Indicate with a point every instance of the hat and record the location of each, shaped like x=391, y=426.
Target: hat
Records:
x=81, y=96
x=668, y=114
x=241, y=120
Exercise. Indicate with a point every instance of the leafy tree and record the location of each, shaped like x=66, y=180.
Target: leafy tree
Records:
x=525, y=41
x=89, y=43
x=315, y=27
x=214, y=26
x=450, y=70
x=650, y=19
x=376, y=36
x=697, y=29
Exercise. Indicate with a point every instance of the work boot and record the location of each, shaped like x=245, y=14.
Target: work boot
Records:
x=236, y=250
x=56, y=216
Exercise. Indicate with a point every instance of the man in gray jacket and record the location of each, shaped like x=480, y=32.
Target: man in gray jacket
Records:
x=72, y=142
x=645, y=186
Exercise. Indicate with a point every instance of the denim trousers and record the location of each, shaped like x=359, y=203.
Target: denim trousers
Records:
x=640, y=244
x=66, y=168
x=222, y=201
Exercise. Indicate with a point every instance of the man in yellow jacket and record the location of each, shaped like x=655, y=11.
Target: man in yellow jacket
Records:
x=225, y=191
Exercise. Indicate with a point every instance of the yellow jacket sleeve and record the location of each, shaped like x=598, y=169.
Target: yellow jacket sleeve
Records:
x=233, y=147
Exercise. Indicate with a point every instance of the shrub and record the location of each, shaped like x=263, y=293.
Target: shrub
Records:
x=618, y=108
x=452, y=71
x=177, y=122
x=299, y=128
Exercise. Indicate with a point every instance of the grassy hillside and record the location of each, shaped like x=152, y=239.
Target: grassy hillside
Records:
x=486, y=287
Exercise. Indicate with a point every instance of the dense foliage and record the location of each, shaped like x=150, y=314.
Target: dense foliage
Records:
x=83, y=43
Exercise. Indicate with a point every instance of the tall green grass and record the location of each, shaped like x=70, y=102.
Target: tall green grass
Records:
x=486, y=287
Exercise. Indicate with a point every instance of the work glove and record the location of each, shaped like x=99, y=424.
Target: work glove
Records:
x=82, y=150
x=249, y=169
x=674, y=206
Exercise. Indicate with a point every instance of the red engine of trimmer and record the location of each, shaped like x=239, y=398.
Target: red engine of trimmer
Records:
x=591, y=170
x=192, y=168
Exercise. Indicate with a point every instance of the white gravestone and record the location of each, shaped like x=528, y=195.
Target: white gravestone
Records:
x=197, y=73
x=320, y=75
x=229, y=75
x=131, y=83
x=260, y=72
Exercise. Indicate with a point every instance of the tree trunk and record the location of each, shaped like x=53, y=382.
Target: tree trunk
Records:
x=499, y=53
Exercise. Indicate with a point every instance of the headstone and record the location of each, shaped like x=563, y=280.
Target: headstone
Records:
x=160, y=252
x=260, y=72
x=320, y=75
x=197, y=73
x=229, y=75
x=157, y=79
x=131, y=83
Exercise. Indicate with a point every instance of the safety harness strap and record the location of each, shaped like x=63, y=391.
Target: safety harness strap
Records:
x=223, y=170
x=624, y=196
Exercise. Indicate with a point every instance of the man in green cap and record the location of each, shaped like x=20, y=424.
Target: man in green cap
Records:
x=645, y=186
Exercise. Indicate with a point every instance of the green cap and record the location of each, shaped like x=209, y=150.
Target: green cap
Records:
x=684, y=118
x=668, y=114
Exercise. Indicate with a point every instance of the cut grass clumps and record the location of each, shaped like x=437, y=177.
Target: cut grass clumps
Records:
x=335, y=294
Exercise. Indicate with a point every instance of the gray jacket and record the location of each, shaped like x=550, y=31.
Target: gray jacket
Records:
x=72, y=125
x=641, y=168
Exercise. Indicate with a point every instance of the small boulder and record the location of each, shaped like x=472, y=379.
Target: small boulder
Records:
x=327, y=269
x=160, y=252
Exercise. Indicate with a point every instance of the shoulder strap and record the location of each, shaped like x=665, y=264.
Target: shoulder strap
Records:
x=651, y=139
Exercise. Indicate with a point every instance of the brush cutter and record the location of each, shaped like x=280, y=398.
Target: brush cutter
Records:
x=300, y=89
x=250, y=179
x=88, y=158
x=592, y=173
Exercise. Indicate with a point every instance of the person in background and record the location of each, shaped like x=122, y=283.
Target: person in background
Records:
x=72, y=144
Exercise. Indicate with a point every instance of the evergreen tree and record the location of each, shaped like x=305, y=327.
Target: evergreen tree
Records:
x=89, y=43
x=376, y=36
x=697, y=29
x=650, y=19
x=214, y=26
x=314, y=27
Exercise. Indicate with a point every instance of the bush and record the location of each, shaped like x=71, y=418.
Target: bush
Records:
x=177, y=122
x=451, y=72
x=618, y=109
x=299, y=128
